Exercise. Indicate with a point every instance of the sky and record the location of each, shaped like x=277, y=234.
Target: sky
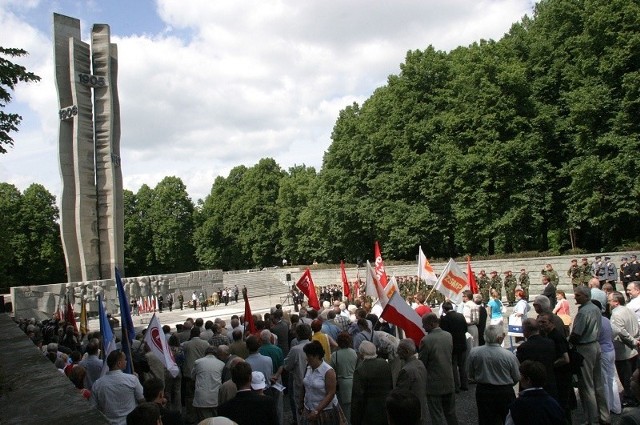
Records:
x=207, y=85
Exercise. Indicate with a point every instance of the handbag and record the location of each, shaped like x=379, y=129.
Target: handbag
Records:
x=575, y=360
x=515, y=326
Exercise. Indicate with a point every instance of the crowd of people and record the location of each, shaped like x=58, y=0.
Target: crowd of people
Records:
x=344, y=364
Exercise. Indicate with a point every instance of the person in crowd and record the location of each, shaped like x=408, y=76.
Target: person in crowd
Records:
x=364, y=333
x=193, y=350
x=549, y=290
x=296, y=364
x=633, y=292
x=173, y=385
x=541, y=305
x=482, y=317
x=510, y=284
x=207, y=374
x=471, y=315
x=562, y=307
x=584, y=335
x=325, y=340
x=541, y=349
x=455, y=323
x=144, y=414
x=534, y=406
x=267, y=348
x=219, y=336
x=228, y=388
x=238, y=346
x=92, y=364
x=403, y=408
x=524, y=281
x=248, y=407
x=116, y=394
x=496, y=309
x=561, y=366
x=597, y=293
x=413, y=375
x=607, y=363
x=372, y=382
x=153, y=390
x=436, y=352
x=280, y=328
x=625, y=341
x=344, y=361
x=257, y=361
x=496, y=371
x=319, y=402
x=78, y=378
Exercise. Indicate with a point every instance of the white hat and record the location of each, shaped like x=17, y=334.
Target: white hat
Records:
x=258, y=381
x=218, y=420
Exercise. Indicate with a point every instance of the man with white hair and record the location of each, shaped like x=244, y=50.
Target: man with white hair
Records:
x=597, y=293
x=633, y=292
x=496, y=371
x=277, y=358
x=584, y=336
x=372, y=383
x=541, y=305
x=413, y=375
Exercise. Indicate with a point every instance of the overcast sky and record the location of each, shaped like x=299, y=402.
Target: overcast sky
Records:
x=206, y=85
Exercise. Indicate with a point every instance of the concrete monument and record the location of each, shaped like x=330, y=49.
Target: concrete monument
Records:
x=91, y=213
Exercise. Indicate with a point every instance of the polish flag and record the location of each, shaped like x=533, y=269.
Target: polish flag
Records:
x=157, y=342
x=452, y=282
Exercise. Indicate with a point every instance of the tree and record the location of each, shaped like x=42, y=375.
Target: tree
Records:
x=10, y=75
x=10, y=205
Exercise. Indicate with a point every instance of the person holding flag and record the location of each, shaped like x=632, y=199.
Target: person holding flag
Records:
x=158, y=346
x=126, y=323
x=346, y=290
x=306, y=286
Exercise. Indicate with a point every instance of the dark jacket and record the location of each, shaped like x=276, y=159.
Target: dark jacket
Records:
x=249, y=408
x=454, y=323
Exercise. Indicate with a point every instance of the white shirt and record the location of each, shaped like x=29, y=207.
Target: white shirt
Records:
x=634, y=305
x=116, y=394
x=314, y=387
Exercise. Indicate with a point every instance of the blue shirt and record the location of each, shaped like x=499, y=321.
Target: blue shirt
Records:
x=496, y=308
x=605, y=338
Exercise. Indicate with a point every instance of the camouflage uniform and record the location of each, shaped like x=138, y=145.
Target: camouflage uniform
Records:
x=575, y=273
x=585, y=272
x=496, y=283
x=483, y=286
x=510, y=284
x=552, y=275
x=524, y=282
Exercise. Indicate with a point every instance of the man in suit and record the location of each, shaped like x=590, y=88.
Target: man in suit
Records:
x=541, y=349
x=413, y=375
x=247, y=407
x=455, y=323
x=436, y=350
x=372, y=383
x=194, y=349
x=625, y=333
x=549, y=290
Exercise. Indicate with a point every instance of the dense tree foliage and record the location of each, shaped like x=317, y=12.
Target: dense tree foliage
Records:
x=497, y=147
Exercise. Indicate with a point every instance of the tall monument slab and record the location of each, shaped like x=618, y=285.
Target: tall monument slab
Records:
x=92, y=215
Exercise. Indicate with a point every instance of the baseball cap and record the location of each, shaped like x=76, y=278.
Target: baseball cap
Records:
x=258, y=381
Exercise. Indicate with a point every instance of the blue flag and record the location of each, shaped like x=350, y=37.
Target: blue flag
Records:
x=128, y=330
x=108, y=341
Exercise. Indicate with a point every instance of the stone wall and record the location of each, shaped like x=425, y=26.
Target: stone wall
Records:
x=43, y=300
x=32, y=390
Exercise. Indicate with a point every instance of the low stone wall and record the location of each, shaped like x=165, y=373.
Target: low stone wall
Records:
x=32, y=390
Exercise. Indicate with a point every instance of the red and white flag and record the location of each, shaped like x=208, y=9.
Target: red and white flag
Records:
x=381, y=274
x=398, y=312
x=345, y=282
x=305, y=284
x=157, y=342
x=425, y=270
x=452, y=282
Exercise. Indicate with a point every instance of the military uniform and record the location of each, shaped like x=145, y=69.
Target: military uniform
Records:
x=585, y=272
x=484, y=286
x=496, y=283
x=575, y=273
x=552, y=275
x=634, y=269
x=524, y=282
x=510, y=284
x=625, y=277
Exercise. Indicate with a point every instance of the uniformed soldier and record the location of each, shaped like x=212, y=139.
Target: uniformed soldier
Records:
x=524, y=282
x=597, y=270
x=634, y=269
x=483, y=285
x=585, y=272
x=575, y=273
x=551, y=274
x=496, y=282
x=610, y=272
x=625, y=277
x=510, y=284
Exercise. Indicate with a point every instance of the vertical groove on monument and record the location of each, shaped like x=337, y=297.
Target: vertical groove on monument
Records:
x=65, y=28
x=107, y=154
x=84, y=156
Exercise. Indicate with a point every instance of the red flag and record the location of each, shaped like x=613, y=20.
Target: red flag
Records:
x=70, y=318
x=381, y=274
x=248, y=317
x=345, y=282
x=471, y=278
x=398, y=312
x=305, y=284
